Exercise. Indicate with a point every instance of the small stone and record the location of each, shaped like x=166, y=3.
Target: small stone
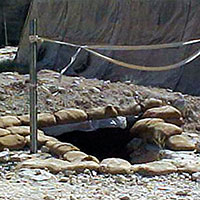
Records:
x=36, y=174
x=49, y=198
x=64, y=179
x=4, y=156
x=196, y=176
x=124, y=197
x=94, y=89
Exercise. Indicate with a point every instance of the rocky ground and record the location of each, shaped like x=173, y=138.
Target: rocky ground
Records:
x=78, y=92
x=40, y=184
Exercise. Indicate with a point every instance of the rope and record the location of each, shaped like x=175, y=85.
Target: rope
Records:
x=73, y=58
x=142, y=47
x=126, y=48
x=128, y=65
x=144, y=68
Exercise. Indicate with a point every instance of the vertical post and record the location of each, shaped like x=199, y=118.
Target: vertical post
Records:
x=33, y=87
x=5, y=28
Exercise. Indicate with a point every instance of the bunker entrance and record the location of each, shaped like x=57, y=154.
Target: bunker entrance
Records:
x=101, y=143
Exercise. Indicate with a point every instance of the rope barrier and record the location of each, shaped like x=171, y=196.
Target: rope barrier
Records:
x=144, y=68
x=89, y=48
x=142, y=47
x=124, y=47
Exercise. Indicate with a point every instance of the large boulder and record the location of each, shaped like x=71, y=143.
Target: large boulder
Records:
x=145, y=153
x=115, y=166
x=180, y=142
x=12, y=142
x=70, y=116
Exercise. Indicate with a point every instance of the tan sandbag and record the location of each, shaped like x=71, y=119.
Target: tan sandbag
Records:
x=102, y=112
x=25, y=120
x=42, y=139
x=7, y=121
x=70, y=116
x=80, y=166
x=91, y=158
x=56, y=165
x=44, y=120
x=154, y=130
x=135, y=168
x=166, y=129
x=151, y=103
x=52, y=164
x=143, y=124
x=12, y=142
x=133, y=109
x=4, y=132
x=51, y=143
x=176, y=121
x=164, y=112
x=115, y=166
x=180, y=142
x=157, y=168
x=60, y=148
x=73, y=156
x=190, y=167
x=78, y=156
x=22, y=130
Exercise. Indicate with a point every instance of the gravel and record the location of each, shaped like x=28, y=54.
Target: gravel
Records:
x=90, y=185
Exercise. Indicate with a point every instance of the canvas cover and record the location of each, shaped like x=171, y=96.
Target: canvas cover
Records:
x=14, y=12
x=127, y=22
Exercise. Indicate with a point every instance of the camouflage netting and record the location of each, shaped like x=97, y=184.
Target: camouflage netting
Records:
x=15, y=13
x=128, y=22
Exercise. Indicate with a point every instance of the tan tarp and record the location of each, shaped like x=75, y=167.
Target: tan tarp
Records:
x=127, y=22
x=14, y=12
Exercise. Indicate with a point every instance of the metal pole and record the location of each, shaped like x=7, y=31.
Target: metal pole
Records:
x=33, y=88
x=5, y=28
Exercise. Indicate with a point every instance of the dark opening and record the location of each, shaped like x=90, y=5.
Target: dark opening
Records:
x=103, y=143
